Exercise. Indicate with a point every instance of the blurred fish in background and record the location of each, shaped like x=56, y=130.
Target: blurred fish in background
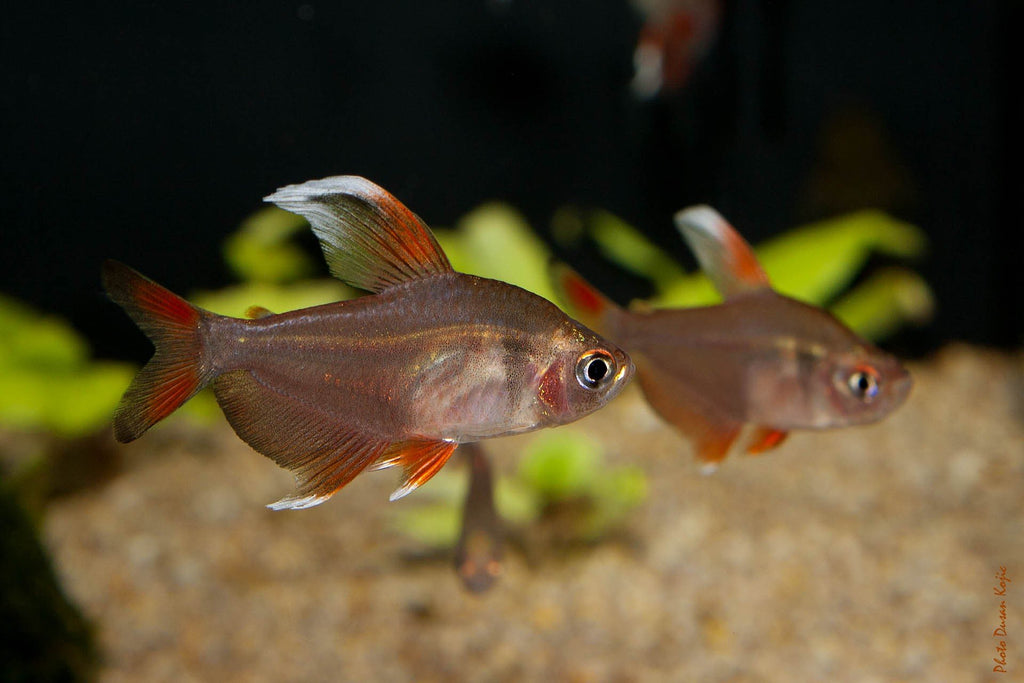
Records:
x=759, y=359
x=675, y=37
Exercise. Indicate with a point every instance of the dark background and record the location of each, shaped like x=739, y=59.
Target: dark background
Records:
x=146, y=132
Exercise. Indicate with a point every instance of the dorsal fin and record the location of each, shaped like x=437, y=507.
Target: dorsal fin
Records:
x=369, y=239
x=257, y=312
x=589, y=306
x=724, y=256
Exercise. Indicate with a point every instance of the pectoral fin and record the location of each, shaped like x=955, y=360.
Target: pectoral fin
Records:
x=724, y=256
x=369, y=239
x=420, y=460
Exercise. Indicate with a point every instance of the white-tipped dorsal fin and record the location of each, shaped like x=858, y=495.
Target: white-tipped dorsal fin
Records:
x=724, y=256
x=369, y=239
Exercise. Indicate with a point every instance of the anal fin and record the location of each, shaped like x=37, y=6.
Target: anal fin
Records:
x=312, y=443
x=711, y=433
x=764, y=439
x=420, y=460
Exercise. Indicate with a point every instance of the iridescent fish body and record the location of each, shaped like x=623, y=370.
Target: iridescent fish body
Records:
x=432, y=359
x=759, y=360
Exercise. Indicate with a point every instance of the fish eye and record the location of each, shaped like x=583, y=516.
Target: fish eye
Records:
x=593, y=367
x=863, y=383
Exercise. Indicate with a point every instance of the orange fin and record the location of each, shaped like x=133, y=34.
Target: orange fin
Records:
x=479, y=551
x=420, y=460
x=711, y=433
x=589, y=306
x=311, y=442
x=713, y=442
x=369, y=239
x=724, y=256
x=764, y=439
x=257, y=312
x=176, y=371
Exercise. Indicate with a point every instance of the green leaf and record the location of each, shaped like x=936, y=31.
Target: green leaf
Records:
x=816, y=262
x=237, y=299
x=29, y=338
x=560, y=465
x=885, y=302
x=434, y=524
x=259, y=251
x=626, y=246
x=516, y=503
x=66, y=402
x=495, y=241
x=813, y=263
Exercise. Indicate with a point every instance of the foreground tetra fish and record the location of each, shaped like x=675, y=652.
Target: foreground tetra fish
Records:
x=399, y=378
x=759, y=359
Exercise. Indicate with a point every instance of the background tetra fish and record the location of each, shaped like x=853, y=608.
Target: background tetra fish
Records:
x=399, y=378
x=759, y=358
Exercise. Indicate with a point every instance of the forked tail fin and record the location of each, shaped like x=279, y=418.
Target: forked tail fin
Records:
x=177, y=369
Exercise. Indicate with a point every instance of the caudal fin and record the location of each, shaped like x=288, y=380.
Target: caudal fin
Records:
x=177, y=369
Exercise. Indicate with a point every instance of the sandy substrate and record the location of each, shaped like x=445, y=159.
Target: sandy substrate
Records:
x=866, y=554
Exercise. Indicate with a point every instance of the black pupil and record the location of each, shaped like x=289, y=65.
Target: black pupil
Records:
x=863, y=383
x=596, y=369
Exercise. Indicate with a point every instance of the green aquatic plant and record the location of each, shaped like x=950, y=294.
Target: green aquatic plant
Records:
x=262, y=250
x=813, y=263
x=238, y=300
x=495, y=241
x=48, y=382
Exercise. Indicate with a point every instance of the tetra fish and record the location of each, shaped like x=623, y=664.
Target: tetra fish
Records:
x=759, y=359
x=479, y=551
x=433, y=358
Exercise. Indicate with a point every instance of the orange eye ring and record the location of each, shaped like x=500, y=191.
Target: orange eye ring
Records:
x=863, y=383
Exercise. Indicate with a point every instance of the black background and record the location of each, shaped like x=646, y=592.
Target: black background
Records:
x=147, y=131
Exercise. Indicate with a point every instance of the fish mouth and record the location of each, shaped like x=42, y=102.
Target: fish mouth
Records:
x=625, y=371
x=901, y=383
